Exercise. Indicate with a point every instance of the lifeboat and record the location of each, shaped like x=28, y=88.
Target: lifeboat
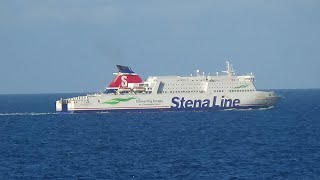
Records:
x=124, y=89
x=139, y=89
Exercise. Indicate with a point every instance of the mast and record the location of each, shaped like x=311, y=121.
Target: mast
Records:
x=230, y=71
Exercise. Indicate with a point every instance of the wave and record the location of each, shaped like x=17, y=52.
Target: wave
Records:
x=105, y=112
x=271, y=107
x=102, y=112
x=249, y=109
x=28, y=114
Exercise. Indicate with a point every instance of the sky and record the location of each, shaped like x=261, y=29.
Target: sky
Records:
x=61, y=46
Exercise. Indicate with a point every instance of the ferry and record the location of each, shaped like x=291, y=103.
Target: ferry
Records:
x=128, y=92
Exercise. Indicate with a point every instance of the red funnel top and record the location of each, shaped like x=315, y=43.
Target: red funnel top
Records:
x=125, y=75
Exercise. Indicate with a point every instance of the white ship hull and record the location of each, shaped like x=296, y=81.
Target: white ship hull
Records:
x=178, y=102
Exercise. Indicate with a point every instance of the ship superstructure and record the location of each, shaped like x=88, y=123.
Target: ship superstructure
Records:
x=195, y=92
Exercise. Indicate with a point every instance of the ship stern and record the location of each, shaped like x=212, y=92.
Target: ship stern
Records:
x=62, y=105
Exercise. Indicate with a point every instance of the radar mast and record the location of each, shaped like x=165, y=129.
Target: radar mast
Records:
x=230, y=71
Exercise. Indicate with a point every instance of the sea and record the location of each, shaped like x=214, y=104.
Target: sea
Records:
x=282, y=142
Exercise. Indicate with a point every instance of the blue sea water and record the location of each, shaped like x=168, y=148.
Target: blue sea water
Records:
x=278, y=143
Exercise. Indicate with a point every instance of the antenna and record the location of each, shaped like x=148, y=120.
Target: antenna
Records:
x=230, y=71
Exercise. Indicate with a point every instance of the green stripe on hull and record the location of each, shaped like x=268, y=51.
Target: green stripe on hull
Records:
x=242, y=86
x=117, y=100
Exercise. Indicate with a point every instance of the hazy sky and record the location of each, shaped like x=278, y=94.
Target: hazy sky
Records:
x=73, y=45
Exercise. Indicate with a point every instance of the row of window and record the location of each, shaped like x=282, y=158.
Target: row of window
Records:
x=179, y=88
x=193, y=84
x=218, y=91
x=183, y=84
x=171, y=92
x=238, y=90
x=221, y=87
x=242, y=90
x=191, y=80
x=75, y=102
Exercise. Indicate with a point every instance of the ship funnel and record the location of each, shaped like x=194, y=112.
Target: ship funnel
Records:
x=125, y=76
